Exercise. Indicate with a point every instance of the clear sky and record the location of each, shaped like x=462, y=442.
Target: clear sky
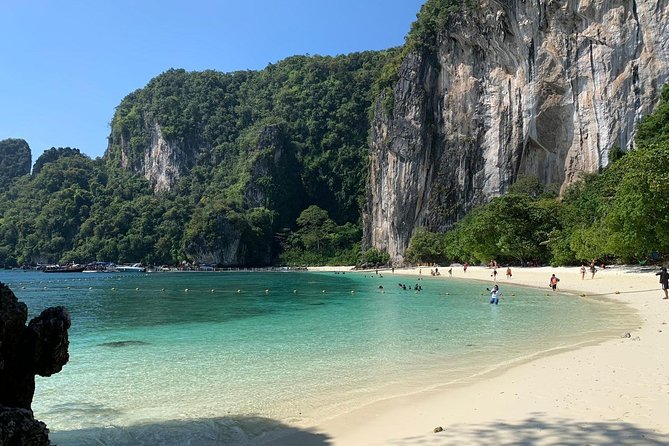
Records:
x=67, y=64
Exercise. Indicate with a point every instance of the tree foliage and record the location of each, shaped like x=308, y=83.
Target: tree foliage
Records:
x=654, y=128
x=319, y=240
x=432, y=19
x=53, y=154
x=512, y=228
x=15, y=160
x=320, y=104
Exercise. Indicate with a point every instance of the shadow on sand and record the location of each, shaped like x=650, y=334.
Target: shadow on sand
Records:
x=541, y=430
x=243, y=431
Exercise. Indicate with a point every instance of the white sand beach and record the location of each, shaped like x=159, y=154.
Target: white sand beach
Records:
x=614, y=392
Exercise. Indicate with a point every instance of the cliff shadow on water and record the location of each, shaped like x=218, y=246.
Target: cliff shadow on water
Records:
x=233, y=430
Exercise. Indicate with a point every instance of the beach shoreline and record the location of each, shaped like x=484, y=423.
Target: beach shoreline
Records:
x=610, y=392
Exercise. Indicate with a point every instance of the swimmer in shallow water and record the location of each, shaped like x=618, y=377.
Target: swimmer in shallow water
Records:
x=495, y=293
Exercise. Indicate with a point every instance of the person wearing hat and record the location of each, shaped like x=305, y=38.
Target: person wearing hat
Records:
x=664, y=280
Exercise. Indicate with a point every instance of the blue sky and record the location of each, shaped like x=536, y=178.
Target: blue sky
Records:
x=67, y=64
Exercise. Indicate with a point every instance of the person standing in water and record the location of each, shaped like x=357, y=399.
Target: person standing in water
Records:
x=664, y=280
x=495, y=293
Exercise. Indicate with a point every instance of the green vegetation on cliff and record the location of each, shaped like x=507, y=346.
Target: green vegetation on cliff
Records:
x=422, y=38
x=433, y=18
x=216, y=119
x=15, y=160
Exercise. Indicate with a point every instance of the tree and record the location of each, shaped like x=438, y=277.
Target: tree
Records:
x=426, y=246
x=510, y=228
x=636, y=219
x=314, y=226
x=654, y=128
x=53, y=154
x=15, y=160
x=375, y=256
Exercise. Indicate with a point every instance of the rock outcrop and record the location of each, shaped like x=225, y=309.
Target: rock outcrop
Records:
x=38, y=349
x=512, y=87
x=163, y=162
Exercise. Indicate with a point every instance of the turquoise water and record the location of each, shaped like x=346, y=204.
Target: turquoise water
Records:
x=216, y=358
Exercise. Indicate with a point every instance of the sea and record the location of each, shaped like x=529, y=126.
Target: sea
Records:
x=213, y=358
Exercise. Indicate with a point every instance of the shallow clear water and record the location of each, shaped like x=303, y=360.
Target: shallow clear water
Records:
x=216, y=358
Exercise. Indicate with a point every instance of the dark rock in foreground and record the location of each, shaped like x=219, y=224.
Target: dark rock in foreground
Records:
x=19, y=427
x=38, y=349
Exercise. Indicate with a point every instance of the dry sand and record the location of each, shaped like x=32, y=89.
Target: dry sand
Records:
x=612, y=393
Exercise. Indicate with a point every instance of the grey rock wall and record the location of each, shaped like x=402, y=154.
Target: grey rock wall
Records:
x=165, y=161
x=541, y=87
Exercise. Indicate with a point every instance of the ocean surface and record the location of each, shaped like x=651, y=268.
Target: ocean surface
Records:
x=235, y=357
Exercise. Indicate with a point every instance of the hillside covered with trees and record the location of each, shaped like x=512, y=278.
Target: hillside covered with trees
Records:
x=310, y=113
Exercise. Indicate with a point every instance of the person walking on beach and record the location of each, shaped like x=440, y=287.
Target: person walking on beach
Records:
x=495, y=293
x=553, y=282
x=593, y=269
x=582, y=272
x=464, y=267
x=508, y=272
x=494, y=275
x=664, y=280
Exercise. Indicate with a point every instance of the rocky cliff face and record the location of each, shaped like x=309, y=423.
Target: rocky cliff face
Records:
x=514, y=87
x=162, y=163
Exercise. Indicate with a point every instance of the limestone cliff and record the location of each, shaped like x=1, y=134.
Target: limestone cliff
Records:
x=165, y=162
x=162, y=163
x=511, y=87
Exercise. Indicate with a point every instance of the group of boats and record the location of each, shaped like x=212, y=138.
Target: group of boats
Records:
x=96, y=267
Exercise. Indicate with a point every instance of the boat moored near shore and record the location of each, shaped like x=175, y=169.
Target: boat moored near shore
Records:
x=75, y=268
x=135, y=268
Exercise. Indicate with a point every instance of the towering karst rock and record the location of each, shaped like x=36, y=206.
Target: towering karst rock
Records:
x=510, y=88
